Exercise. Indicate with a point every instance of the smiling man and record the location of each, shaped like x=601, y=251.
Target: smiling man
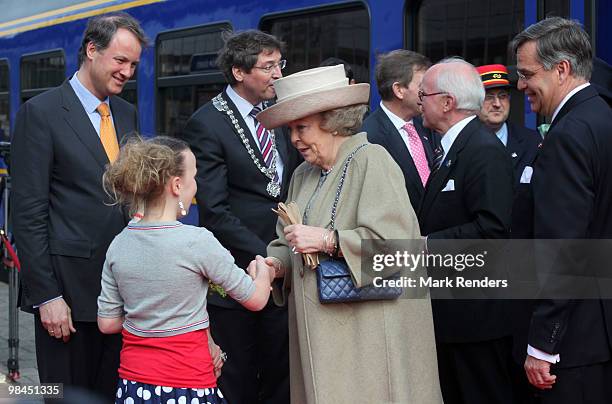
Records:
x=243, y=172
x=522, y=146
x=63, y=223
x=570, y=341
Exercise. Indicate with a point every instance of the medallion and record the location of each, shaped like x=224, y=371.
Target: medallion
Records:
x=274, y=186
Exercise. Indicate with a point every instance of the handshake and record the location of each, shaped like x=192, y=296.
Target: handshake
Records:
x=266, y=268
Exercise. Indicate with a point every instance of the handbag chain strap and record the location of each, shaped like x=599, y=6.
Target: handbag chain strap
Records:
x=341, y=183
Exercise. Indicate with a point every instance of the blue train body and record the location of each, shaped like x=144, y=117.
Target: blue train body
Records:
x=313, y=29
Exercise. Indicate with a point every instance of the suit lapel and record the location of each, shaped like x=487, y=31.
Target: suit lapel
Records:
x=438, y=181
x=514, y=147
x=283, y=145
x=580, y=96
x=397, y=148
x=77, y=119
x=121, y=117
x=242, y=124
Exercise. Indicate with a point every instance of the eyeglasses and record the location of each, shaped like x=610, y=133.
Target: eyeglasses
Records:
x=422, y=94
x=268, y=69
x=502, y=96
x=527, y=75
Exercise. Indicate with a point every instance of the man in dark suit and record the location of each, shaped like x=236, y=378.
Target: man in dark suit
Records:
x=521, y=143
x=468, y=197
x=62, y=219
x=570, y=341
x=396, y=124
x=243, y=172
x=522, y=146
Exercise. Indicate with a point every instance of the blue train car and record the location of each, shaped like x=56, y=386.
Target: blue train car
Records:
x=177, y=74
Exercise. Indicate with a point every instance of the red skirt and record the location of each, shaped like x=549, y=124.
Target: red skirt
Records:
x=178, y=361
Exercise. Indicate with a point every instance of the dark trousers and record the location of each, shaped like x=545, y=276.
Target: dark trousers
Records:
x=580, y=385
x=257, y=347
x=89, y=360
x=477, y=372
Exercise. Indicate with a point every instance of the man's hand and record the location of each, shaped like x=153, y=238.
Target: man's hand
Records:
x=216, y=354
x=56, y=318
x=538, y=373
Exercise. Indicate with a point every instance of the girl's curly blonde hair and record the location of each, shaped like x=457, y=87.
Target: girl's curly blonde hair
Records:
x=142, y=170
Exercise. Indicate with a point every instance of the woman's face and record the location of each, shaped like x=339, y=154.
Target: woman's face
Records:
x=188, y=182
x=314, y=143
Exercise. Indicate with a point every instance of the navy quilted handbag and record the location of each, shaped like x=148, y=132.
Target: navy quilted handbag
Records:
x=336, y=285
x=334, y=277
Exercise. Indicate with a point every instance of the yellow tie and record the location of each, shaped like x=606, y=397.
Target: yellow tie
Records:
x=107, y=133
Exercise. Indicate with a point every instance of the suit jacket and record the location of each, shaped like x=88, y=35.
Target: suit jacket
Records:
x=232, y=199
x=571, y=184
x=522, y=148
x=479, y=207
x=62, y=220
x=381, y=131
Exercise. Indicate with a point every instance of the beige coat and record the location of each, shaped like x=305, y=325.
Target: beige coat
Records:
x=368, y=352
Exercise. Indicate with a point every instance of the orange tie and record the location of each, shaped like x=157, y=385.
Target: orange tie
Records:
x=107, y=133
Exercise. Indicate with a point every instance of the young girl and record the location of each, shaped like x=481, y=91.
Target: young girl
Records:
x=155, y=279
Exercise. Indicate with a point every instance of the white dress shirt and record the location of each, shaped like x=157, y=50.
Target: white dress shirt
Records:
x=451, y=134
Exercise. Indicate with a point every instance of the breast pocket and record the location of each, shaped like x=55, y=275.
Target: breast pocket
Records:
x=447, y=199
x=450, y=186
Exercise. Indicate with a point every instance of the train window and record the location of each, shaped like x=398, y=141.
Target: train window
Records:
x=556, y=8
x=40, y=72
x=590, y=17
x=314, y=35
x=561, y=8
x=4, y=77
x=187, y=75
x=4, y=101
x=477, y=30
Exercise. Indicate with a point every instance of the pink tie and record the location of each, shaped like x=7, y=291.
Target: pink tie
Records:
x=418, y=152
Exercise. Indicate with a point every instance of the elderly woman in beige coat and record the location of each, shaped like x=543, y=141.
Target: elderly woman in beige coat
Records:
x=367, y=352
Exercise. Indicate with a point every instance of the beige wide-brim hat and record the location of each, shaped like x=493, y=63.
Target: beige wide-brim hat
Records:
x=312, y=91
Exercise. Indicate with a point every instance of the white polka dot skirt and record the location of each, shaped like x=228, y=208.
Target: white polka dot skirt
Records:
x=129, y=392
